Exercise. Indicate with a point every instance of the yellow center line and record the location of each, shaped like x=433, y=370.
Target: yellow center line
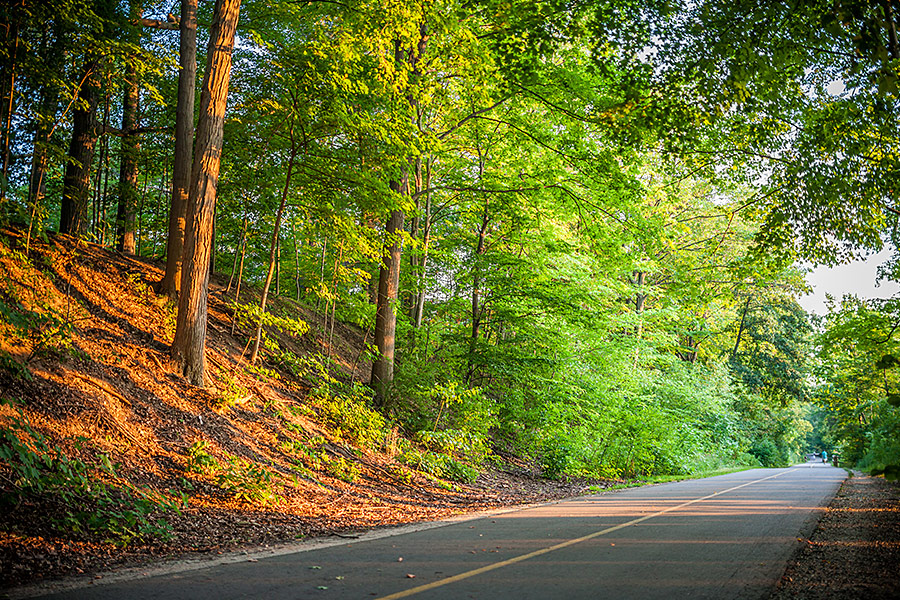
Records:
x=518, y=559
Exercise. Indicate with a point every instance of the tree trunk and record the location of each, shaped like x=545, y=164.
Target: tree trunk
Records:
x=237, y=289
x=190, y=326
x=419, y=304
x=477, y=308
x=37, y=181
x=640, y=299
x=128, y=165
x=296, y=259
x=76, y=181
x=388, y=288
x=389, y=274
x=273, y=251
x=237, y=252
x=8, y=113
x=737, y=341
x=184, y=133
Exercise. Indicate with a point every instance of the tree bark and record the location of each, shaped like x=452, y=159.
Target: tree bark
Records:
x=389, y=274
x=37, y=182
x=737, y=340
x=189, y=345
x=273, y=252
x=128, y=165
x=184, y=133
x=419, y=304
x=85, y=131
x=8, y=113
x=237, y=252
x=388, y=293
x=477, y=307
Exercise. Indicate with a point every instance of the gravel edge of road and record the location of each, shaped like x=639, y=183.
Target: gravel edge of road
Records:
x=854, y=549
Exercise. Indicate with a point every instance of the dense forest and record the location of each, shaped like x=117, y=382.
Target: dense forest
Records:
x=570, y=231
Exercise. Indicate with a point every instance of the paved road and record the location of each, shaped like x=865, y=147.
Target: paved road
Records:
x=722, y=537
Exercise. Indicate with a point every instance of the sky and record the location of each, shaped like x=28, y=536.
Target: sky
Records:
x=857, y=278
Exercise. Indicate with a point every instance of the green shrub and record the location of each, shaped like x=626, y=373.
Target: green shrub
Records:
x=241, y=478
x=247, y=481
x=438, y=465
x=349, y=418
x=88, y=502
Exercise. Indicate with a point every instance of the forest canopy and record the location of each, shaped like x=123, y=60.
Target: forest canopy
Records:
x=569, y=230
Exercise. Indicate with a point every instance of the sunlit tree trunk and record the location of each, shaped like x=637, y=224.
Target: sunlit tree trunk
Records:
x=388, y=293
x=190, y=326
x=273, y=251
x=419, y=303
x=128, y=165
x=9, y=104
x=85, y=131
x=184, y=133
x=389, y=274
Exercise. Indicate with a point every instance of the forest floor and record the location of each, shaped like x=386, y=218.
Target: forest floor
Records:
x=854, y=551
x=255, y=459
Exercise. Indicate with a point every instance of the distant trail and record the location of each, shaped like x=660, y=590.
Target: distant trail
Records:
x=722, y=537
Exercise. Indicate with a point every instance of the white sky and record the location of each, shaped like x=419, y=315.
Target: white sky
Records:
x=854, y=278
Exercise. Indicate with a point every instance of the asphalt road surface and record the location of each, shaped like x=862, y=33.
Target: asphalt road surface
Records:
x=723, y=537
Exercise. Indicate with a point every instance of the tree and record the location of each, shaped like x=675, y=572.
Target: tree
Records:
x=184, y=134
x=85, y=131
x=130, y=144
x=189, y=346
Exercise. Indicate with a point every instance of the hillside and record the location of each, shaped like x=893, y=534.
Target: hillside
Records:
x=109, y=457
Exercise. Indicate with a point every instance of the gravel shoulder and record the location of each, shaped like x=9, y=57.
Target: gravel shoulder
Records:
x=854, y=551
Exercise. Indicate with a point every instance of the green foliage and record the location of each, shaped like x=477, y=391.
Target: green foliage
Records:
x=244, y=480
x=857, y=365
x=438, y=465
x=341, y=468
x=233, y=394
x=346, y=412
x=247, y=481
x=85, y=498
x=248, y=315
x=199, y=460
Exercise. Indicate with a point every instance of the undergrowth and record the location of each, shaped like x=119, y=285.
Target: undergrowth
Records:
x=242, y=479
x=80, y=497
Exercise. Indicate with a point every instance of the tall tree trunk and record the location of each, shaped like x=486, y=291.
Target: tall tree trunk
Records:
x=76, y=181
x=640, y=298
x=737, y=340
x=189, y=346
x=128, y=164
x=419, y=304
x=37, y=181
x=237, y=252
x=184, y=133
x=273, y=251
x=8, y=112
x=389, y=274
x=296, y=259
x=388, y=292
x=477, y=307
